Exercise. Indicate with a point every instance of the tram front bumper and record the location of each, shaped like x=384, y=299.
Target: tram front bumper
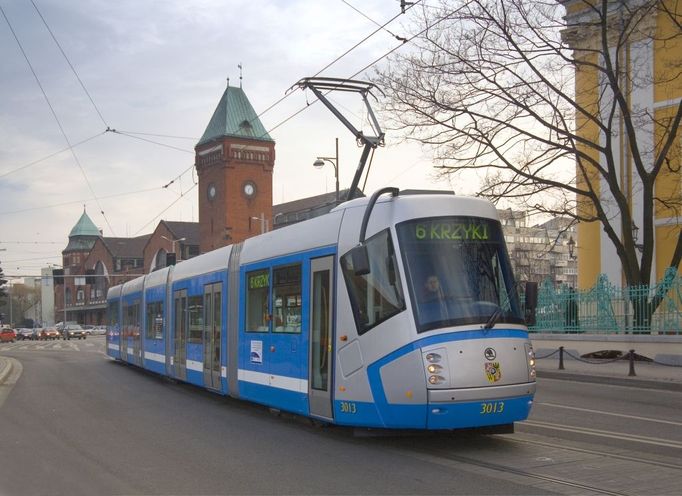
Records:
x=478, y=407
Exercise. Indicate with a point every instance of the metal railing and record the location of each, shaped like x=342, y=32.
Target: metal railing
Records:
x=605, y=308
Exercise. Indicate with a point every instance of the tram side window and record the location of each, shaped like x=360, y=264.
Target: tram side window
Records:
x=154, y=319
x=377, y=296
x=257, y=310
x=196, y=319
x=131, y=319
x=286, y=298
x=112, y=309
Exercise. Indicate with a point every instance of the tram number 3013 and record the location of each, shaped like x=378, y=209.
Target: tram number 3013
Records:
x=348, y=407
x=492, y=407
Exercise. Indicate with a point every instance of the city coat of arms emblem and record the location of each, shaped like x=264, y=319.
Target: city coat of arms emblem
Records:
x=493, y=371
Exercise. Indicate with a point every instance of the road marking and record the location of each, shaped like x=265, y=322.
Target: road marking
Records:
x=633, y=417
x=608, y=434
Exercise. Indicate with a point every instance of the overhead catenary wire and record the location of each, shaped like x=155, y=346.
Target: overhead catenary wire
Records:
x=133, y=134
x=54, y=114
x=21, y=167
x=54, y=38
x=182, y=195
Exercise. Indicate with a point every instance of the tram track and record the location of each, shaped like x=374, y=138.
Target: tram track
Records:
x=438, y=456
x=616, y=456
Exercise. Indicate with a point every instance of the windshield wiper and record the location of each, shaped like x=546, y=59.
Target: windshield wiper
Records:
x=493, y=319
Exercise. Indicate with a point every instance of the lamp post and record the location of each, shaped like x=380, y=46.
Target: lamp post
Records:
x=173, y=241
x=635, y=235
x=264, y=227
x=319, y=163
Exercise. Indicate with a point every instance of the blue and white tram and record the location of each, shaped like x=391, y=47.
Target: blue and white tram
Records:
x=416, y=325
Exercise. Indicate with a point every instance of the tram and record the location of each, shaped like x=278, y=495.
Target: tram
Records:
x=397, y=311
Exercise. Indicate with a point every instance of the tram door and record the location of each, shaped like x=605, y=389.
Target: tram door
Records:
x=212, y=331
x=321, y=339
x=180, y=334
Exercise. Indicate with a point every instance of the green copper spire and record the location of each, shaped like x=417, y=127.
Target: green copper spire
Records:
x=84, y=227
x=234, y=116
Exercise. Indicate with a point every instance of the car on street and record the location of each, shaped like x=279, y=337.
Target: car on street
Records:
x=99, y=330
x=7, y=336
x=73, y=331
x=49, y=333
x=26, y=334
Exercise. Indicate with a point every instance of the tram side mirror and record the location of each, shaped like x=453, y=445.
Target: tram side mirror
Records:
x=360, y=259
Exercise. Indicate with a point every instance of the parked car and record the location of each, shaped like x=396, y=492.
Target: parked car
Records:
x=49, y=333
x=26, y=334
x=74, y=331
x=7, y=336
x=99, y=330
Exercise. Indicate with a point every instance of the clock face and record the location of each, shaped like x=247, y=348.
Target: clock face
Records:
x=249, y=189
x=211, y=192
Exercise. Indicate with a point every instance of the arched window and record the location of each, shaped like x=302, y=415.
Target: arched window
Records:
x=159, y=260
x=101, y=280
x=67, y=296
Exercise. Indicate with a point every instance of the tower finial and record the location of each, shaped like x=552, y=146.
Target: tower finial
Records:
x=228, y=81
x=240, y=74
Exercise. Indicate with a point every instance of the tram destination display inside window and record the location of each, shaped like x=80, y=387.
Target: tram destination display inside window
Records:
x=458, y=271
x=257, y=292
x=376, y=296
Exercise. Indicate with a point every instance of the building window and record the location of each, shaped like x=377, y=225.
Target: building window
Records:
x=80, y=295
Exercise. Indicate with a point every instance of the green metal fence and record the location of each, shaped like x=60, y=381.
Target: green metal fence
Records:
x=605, y=308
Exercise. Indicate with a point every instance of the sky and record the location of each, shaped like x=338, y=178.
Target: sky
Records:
x=154, y=71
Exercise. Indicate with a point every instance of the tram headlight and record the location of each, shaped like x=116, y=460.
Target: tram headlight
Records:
x=436, y=379
x=436, y=367
x=433, y=357
x=530, y=355
x=433, y=368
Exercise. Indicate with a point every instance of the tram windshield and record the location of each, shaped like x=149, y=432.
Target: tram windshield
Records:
x=458, y=272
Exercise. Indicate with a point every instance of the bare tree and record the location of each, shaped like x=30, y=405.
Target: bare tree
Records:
x=491, y=86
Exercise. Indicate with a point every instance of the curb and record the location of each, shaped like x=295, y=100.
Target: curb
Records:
x=613, y=381
x=5, y=369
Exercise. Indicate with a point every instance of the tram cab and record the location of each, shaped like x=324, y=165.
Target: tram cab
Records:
x=430, y=333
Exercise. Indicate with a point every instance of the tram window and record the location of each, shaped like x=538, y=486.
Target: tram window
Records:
x=257, y=310
x=375, y=297
x=131, y=319
x=112, y=309
x=154, y=321
x=196, y=319
x=286, y=299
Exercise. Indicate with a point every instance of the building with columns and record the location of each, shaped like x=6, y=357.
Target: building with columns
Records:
x=645, y=46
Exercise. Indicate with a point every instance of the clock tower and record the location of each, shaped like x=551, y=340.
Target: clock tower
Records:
x=234, y=161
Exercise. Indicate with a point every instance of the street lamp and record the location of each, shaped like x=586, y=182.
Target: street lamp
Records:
x=173, y=241
x=635, y=235
x=319, y=163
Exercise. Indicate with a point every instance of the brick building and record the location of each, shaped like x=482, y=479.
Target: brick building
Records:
x=235, y=158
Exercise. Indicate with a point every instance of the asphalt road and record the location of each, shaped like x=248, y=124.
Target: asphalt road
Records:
x=74, y=422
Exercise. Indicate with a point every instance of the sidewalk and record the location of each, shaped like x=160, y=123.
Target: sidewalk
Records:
x=647, y=374
x=5, y=369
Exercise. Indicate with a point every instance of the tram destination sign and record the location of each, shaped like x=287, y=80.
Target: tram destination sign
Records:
x=452, y=229
x=258, y=281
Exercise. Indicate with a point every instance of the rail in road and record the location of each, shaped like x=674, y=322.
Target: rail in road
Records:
x=568, y=446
